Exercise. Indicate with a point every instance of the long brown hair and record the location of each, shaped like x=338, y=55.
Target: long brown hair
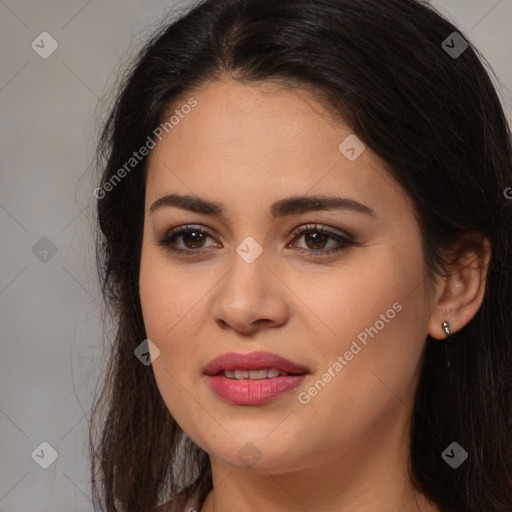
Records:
x=433, y=116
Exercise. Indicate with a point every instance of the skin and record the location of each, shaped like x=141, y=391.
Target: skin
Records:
x=246, y=146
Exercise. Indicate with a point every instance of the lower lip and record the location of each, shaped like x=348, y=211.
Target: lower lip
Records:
x=253, y=392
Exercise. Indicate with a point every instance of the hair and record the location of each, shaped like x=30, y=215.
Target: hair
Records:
x=435, y=120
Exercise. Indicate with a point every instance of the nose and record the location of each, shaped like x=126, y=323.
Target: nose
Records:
x=251, y=296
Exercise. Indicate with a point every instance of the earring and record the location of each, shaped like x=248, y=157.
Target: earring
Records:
x=447, y=330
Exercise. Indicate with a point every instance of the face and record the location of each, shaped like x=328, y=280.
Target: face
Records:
x=337, y=290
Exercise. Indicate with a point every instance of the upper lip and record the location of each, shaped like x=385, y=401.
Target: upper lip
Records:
x=252, y=361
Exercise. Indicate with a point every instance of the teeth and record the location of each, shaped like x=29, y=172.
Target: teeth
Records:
x=241, y=374
x=266, y=373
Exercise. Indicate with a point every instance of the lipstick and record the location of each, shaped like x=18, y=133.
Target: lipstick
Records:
x=253, y=378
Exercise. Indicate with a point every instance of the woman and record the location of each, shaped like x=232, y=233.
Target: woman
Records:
x=305, y=243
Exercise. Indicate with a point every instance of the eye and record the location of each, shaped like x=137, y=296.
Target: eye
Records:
x=193, y=238
x=316, y=238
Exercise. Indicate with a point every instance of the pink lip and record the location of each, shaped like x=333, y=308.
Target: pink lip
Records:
x=253, y=392
x=252, y=361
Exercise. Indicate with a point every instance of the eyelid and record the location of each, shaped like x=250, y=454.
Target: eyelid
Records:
x=321, y=227
x=343, y=238
x=294, y=232
x=190, y=227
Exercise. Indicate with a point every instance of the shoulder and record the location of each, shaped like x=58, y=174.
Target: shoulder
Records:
x=185, y=501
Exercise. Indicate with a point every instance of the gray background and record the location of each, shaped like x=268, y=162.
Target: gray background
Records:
x=50, y=304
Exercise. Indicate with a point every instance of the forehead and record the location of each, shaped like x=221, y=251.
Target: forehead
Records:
x=262, y=141
x=268, y=119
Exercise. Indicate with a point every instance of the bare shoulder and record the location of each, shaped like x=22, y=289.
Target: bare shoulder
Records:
x=182, y=502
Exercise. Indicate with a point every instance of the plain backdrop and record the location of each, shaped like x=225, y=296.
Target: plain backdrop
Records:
x=51, y=110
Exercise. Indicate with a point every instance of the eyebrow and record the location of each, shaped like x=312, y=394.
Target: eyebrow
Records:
x=282, y=208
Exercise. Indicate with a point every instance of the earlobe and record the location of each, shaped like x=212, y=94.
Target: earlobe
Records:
x=462, y=292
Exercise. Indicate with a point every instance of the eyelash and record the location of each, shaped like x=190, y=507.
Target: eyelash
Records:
x=345, y=241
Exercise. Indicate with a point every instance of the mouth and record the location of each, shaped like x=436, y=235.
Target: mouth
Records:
x=253, y=379
x=265, y=373
x=253, y=366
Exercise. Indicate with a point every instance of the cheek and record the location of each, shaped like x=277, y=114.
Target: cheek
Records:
x=377, y=318
x=167, y=301
x=161, y=309
x=167, y=293
x=174, y=301
x=371, y=296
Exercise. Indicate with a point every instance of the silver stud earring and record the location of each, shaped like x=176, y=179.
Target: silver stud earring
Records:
x=447, y=330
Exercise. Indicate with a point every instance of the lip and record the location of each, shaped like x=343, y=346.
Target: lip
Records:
x=253, y=392
x=252, y=361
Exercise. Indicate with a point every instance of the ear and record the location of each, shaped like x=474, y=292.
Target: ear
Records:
x=460, y=295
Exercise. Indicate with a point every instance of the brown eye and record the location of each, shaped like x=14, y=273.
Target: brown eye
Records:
x=316, y=239
x=193, y=239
